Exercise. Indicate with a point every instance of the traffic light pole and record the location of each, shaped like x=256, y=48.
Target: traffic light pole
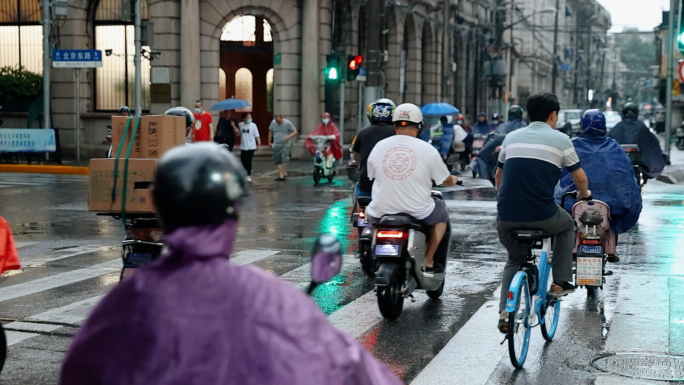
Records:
x=341, y=127
x=672, y=32
x=374, y=82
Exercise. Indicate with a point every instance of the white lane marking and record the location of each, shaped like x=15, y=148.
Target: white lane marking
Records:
x=20, y=245
x=246, y=257
x=74, y=314
x=58, y=280
x=358, y=316
x=301, y=276
x=477, y=337
x=31, y=327
x=72, y=252
x=16, y=337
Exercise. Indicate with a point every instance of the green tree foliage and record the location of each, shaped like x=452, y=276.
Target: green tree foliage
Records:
x=638, y=55
x=19, y=83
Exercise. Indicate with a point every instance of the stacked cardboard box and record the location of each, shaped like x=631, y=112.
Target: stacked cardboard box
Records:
x=156, y=135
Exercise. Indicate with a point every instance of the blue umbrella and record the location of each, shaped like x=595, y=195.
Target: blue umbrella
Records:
x=230, y=104
x=439, y=109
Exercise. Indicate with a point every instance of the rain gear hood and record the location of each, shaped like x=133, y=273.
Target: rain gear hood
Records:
x=632, y=131
x=9, y=258
x=611, y=178
x=193, y=317
x=329, y=129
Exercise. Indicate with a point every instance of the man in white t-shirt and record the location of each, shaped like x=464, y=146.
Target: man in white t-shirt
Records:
x=249, y=142
x=404, y=168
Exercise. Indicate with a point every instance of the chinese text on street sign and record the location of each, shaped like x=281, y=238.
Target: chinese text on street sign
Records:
x=76, y=58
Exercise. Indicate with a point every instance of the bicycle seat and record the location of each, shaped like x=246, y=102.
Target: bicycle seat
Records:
x=527, y=235
x=364, y=201
x=403, y=221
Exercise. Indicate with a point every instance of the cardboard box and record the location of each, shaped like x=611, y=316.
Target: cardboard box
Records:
x=138, y=187
x=156, y=135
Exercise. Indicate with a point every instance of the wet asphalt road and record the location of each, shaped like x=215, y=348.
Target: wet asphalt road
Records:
x=71, y=258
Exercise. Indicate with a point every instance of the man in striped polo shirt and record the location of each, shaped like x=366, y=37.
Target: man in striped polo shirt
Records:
x=529, y=168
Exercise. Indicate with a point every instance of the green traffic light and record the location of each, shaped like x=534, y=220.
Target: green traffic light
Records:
x=332, y=73
x=680, y=38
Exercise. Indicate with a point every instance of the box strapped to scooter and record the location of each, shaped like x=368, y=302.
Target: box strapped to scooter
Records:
x=593, y=219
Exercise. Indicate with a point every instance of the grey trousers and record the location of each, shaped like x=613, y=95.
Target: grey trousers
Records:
x=561, y=226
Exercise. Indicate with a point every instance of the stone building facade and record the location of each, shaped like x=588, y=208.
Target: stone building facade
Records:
x=190, y=37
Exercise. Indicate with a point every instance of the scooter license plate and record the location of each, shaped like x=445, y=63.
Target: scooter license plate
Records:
x=590, y=249
x=139, y=258
x=589, y=271
x=387, y=250
x=362, y=222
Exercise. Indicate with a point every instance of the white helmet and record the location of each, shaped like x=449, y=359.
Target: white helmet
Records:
x=406, y=114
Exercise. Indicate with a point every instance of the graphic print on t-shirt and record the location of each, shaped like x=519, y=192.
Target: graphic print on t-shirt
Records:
x=198, y=124
x=399, y=163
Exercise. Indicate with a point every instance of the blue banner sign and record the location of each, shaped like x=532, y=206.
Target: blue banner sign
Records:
x=76, y=58
x=27, y=140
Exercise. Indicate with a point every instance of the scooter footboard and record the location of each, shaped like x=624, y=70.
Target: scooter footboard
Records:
x=514, y=288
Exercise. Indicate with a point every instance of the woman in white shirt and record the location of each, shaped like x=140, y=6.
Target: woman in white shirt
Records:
x=250, y=142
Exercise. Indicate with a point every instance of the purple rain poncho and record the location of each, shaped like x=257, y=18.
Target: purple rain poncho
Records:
x=194, y=318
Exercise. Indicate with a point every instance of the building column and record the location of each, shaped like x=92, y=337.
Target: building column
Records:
x=310, y=99
x=190, y=52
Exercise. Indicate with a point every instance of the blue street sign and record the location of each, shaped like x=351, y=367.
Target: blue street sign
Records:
x=564, y=67
x=76, y=58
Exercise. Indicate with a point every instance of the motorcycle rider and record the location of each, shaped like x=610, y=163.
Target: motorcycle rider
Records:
x=528, y=170
x=404, y=169
x=497, y=120
x=482, y=126
x=380, y=116
x=611, y=178
x=632, y=131
x=515, y=115
x=485, y=163
x=193, y=317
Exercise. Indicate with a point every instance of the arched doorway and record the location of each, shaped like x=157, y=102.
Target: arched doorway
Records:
x=247, y=61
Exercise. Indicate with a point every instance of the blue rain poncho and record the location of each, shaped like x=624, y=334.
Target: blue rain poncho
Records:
x=611, y=178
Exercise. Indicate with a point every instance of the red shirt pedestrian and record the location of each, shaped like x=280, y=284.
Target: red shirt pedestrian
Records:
x=202, y=129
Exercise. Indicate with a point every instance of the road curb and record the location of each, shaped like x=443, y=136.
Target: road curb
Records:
x=44, y=169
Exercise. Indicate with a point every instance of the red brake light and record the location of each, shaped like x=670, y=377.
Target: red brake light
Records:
x=510, y=295
x=590, y=242
x=392, y=234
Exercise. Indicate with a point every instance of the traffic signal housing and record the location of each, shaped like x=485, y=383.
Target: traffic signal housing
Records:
x=353, y=65
x=680, y=33
x=333, y=71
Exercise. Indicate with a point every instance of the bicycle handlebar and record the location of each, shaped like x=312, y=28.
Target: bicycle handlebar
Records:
x=573, y=195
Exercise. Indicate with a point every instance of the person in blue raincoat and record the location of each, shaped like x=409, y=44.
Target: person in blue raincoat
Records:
x=482, y=126
x=442, y=136
x=485, y=162
x=611, y=178
x=193, y=317
x=515, y=115
x=632, y=131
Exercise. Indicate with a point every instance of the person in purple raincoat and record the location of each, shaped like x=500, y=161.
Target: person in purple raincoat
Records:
x=192, y=317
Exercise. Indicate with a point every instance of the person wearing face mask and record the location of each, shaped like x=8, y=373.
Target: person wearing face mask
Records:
x=249, y=143
x=333, y=149
x=203, y=130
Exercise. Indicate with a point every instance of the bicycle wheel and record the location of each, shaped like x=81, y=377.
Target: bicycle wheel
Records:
x=549, y=317
x=519, y=327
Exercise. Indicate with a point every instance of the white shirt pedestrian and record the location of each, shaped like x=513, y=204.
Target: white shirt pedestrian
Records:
x=248, y=134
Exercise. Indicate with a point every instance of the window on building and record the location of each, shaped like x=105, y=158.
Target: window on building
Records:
x=21, y=35
x=243, y=86
x=243, y=28
x=115, y=81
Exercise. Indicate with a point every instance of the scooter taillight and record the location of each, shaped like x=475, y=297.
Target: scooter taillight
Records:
x=362, y=214
x=386, y=234
x=590, y=242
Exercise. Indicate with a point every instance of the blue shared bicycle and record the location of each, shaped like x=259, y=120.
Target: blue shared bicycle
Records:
x=527, y=303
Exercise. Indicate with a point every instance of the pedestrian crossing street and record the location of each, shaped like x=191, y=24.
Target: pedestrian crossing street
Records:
x=9, y=180
x=438, y=362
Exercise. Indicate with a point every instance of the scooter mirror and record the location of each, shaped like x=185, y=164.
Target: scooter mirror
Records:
x=326, y=259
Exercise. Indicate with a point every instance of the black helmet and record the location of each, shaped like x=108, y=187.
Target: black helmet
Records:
x=515, y=112
x=198, y=184
x=630, y=111
x=183, y=112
